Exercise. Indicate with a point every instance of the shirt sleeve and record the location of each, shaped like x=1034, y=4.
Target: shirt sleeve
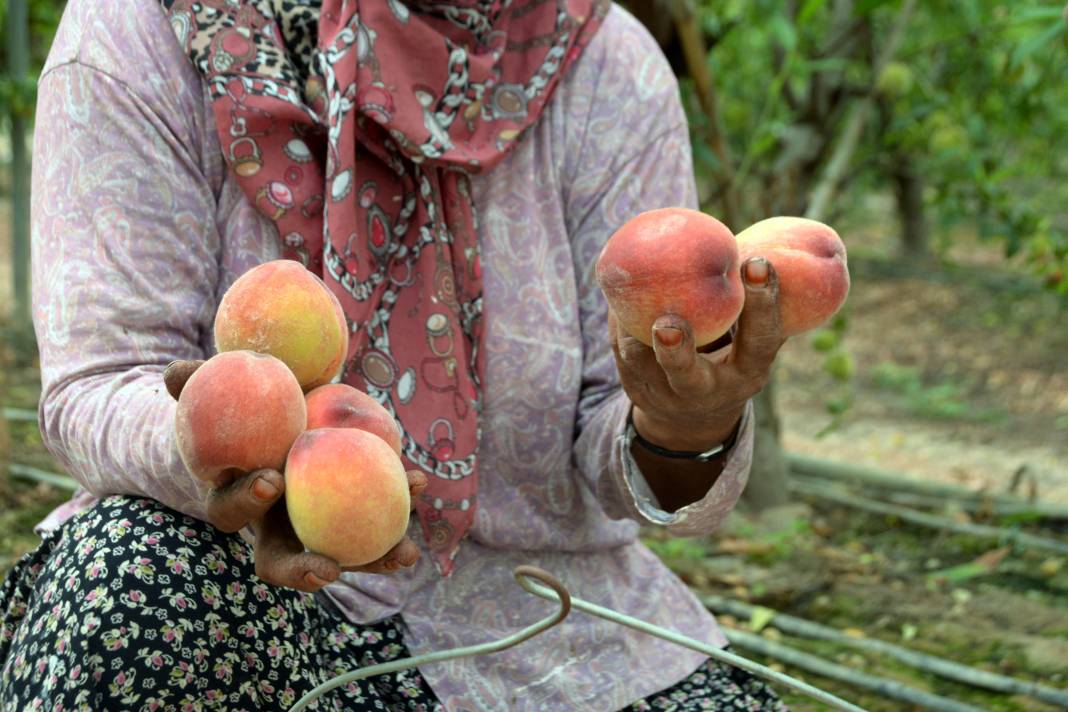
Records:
x=633, y=156
x=125, y=265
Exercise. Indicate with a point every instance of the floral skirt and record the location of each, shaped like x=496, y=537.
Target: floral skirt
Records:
x=133, y=606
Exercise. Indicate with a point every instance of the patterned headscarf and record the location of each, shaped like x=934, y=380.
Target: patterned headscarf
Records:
x=355, y=126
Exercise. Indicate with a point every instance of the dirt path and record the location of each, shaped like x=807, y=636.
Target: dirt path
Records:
x=956, y=379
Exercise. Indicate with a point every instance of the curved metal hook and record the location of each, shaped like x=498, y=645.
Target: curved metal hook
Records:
x=523, y=576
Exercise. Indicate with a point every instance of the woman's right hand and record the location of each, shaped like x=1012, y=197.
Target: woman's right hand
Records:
x=256, y=500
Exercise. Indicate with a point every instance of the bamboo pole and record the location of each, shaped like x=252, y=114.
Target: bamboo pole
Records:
x=889, y=689
x=930, y=521
x=922, y=661
x=35, y=474
x=887, y=479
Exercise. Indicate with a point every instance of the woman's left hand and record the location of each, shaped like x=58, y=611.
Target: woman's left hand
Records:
x=690, y=401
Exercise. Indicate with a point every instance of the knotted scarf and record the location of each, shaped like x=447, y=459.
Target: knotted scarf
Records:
x=355, y=125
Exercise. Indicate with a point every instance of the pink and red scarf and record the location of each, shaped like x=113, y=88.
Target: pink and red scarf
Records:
x=354, y=125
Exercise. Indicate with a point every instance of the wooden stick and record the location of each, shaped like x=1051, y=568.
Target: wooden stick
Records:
x=976, y=505
x=37, y=475
x=886, y=479
x=927, y=520
x=696, y=54
x=824, y=668
x=922, y=661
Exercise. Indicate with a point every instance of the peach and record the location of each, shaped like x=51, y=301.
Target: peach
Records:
x=337, y=405
x=672, y=261
x=282, y=309
x=240, y=411
x=347, y=494
x=810, y=261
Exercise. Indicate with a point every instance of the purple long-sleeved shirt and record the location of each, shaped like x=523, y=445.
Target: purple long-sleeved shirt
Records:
x=138, y=229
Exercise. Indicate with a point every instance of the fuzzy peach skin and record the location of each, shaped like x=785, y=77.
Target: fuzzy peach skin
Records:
x=239, y=411
x=282, y=309
x=337, y=405
x=672, y=261
x=810, y=261
x=347, y=494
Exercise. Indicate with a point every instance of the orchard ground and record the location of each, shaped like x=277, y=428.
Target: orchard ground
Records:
x=958, y=375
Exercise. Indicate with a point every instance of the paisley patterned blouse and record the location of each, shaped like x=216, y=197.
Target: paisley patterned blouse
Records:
x=138, y=229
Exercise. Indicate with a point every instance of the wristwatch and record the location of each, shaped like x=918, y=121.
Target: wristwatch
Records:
x=632, y=436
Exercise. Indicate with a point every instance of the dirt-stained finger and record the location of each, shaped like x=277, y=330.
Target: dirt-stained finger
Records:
x=177, y=373
x=417, y=482
x=401, y=556
x=281, y=559
x=244, y=499
x=673, y=345
x=759, y=334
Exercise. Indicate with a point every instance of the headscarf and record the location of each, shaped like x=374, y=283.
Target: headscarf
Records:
x=355, y=126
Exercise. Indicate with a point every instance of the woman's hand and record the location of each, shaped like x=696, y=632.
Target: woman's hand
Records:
x=256, y=499
x=690, y=401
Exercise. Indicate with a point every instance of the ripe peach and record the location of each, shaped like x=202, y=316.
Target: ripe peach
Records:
x=347, y=494
x=337, y=405
x=282, y=309
x=239, y=411
x=672, y=261
x=810, y=261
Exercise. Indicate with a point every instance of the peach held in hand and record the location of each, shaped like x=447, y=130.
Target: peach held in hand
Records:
x=282, y=309
x=347, y=494
x=672, y=261
x=240, y=411
x=809, y=259
x=337, y=405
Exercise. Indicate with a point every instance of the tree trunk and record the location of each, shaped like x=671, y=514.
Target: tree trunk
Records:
x=767, y=480
x=908, y=190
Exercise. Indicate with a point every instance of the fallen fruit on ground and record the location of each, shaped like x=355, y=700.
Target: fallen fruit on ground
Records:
x=672, y=261
x=810, y=260
x=337, y=405
x=240, y=411
x=282, y=309
x=347, y=494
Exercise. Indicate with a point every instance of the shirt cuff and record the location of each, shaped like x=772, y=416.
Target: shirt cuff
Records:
x=716, y=503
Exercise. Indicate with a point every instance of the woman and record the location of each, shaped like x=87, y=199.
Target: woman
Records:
x=451, y=170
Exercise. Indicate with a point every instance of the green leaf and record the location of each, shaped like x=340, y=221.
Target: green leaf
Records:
x=809, y=10
x=784, y=32
x=1037, y=42
x=824, y=340
x=840, y=365
x=760, y=617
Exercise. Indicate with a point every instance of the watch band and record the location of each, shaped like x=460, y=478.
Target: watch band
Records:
x=709, y=454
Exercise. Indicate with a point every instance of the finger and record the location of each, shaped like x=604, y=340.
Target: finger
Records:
x=636, y=361
x=673, y=345
x=177, y=373
x=245, y=499
x=417, y=482
x=281, y=559
x=759, y=332
x=401, y=556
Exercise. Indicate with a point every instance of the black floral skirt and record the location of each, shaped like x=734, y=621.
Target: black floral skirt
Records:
x=132, y=606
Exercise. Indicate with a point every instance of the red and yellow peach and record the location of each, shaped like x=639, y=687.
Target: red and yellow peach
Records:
x=282, y=309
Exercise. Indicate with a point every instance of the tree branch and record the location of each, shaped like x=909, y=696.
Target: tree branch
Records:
x=828, y=186
x=696, y=54
x=922, y=661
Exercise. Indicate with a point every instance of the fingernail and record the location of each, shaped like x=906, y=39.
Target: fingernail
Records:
x=314, y=580
x=756, y=272
x=668, y=336
x=264, y=490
